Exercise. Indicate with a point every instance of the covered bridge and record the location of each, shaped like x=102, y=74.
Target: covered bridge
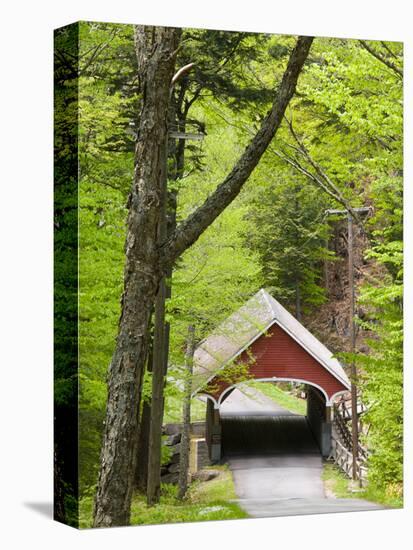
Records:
x=270, y=345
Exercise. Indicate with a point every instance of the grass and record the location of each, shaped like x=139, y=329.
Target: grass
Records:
x=281, y=397
x=173, y=403
x=205, y=501
x=336, y=482
x=391, y=496
x=341, y=487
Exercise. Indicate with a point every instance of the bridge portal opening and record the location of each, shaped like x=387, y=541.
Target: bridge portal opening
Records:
x=262, y=341
x=269, y=418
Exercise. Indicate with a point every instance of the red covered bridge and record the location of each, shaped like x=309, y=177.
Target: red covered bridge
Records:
x=271, y=345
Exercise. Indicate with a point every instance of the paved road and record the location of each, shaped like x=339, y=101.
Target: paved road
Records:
x=275, y=461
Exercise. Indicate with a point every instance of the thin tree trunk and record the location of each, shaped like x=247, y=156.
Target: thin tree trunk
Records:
x=160, y=356
x=186, y=415
x=156, y=50
x=141, y=476
x=150, y=432
x=297, y=301
x=166, y=226
x=158, y=382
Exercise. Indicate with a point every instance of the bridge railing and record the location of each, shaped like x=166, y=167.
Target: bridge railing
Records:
x=342, y=444
x=340, y=421
x=344, y=460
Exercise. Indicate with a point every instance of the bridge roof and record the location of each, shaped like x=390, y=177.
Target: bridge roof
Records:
x=242, y=328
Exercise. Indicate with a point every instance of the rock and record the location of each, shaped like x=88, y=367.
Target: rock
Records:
x=170, y=429
x=169, y=478
x=174, y=468
x=175, y=454
x=206, y=475
x=175, y=458
x=173, y=439
x=198, y=429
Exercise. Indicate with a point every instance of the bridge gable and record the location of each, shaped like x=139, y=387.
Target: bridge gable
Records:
x=276, y=354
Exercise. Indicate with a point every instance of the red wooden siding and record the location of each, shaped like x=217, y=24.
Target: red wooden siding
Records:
x=277, y=354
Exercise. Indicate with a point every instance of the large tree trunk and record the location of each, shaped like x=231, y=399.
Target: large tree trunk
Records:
x=146, y=262
x=156, y=50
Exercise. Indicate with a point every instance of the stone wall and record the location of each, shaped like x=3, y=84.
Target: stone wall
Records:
x=173, y=433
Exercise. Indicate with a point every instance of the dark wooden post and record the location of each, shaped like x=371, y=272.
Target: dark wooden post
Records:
x=352, y=331
x=213, y=432
x=354, y=416
x=186, y=414
x=326, y=270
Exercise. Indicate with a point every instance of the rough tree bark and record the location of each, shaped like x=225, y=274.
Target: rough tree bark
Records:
x=156, y=51
x=147, y=263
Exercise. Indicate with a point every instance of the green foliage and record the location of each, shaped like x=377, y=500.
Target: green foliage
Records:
x=106, y=167
x=348, y=114
x=101, y=239
x=218, y=273
x=173, y=407
x=355, y=134
x=65, y=271
x=382, y=384
x=337, y=483
x=206, y=505
x=205, y=501
x=281, y=397
x=391, y=495
x=382, y=367
x=289, y=232
x=221, y=59
x=232, y=373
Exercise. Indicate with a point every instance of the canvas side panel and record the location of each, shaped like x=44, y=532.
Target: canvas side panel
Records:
x=66, y=485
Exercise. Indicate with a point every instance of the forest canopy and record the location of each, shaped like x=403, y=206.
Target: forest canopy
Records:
x=339, y=146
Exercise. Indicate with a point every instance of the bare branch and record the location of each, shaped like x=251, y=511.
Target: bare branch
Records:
x=386, y=47
x=322, y=174
x=381, y=58
x=297, y=166
x=183, y=70
x=96, y=51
